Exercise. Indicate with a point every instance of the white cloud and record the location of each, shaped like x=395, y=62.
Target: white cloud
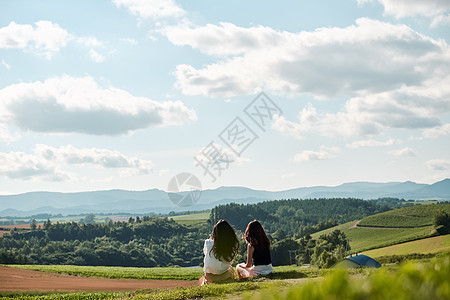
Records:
x=369, y=57
x=79, y=105
x=403, y=152
x=154, y=9
x=435, y=132
x=5, y=64
x=438, y=164
x=96, y=57
x=406, y=107
x=441, y=20
x=307, y=117
x=44, y=39
x=46, y=162
x=89, y=41
x=370, y=143
x=322, y=154
x=19, y=165
x=436, y=10
x=94, y=156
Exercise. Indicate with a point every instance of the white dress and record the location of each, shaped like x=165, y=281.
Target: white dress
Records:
x=211, y=263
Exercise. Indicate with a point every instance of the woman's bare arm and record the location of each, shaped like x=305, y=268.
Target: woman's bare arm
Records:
x=249, y=256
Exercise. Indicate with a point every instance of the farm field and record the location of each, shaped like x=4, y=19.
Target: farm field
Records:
x=191, y=219
x=362, y=239
x=429, y=245
x=412, y=216
x=341, y=227
x=389, y=228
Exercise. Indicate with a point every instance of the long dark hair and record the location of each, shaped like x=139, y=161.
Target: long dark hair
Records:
x=226, y=244
x=256, y=236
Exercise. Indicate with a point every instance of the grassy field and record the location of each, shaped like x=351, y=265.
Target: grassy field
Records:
x=214, y=291
x=119, y=272
x=413, y=280
x=430, y=245
x=413, y=216
x=281, y=272
x=341, y=227
x=191, y=219
x=362, y=239
x=390, y=228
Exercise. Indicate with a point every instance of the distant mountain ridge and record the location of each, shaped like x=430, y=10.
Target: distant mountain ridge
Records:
x=155, y=200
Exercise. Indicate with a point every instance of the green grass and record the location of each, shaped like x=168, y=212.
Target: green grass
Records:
x=341, y=227
x=220, y=290
x=424, y=246
x=362, y=239
x=212, y=290
x=413, y=280
x=416, y=280
x=197, y=216
x=413, y=216
x=191, y=219
x=119, y=272
x=281, y=272
x=395, y=227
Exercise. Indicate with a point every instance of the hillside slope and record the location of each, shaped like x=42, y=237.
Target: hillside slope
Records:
x=390, y=228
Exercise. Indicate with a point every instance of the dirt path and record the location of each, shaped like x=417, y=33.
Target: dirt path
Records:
x=355, y=225
x=12, y=279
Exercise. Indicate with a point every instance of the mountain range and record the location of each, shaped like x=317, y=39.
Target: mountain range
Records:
x=155, y=200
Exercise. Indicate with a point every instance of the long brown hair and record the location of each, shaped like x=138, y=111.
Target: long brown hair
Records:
x=256, y=236
x=226, y=244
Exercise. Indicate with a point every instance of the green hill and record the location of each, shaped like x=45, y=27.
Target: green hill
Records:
x=407, y=217
x=433, y=244
x=389, y=228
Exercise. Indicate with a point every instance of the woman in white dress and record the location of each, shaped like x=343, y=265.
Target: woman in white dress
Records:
x=219, y=250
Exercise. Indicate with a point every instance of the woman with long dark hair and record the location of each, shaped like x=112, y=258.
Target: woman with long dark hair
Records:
x=220, y=250
x=259, y=261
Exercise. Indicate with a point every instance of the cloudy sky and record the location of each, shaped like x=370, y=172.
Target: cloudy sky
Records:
x=126, y=94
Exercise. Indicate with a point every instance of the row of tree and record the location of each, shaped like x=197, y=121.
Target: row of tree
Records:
x=150, y=241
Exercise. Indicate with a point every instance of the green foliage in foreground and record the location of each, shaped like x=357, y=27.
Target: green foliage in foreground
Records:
x=407, y=217
x=412, y=281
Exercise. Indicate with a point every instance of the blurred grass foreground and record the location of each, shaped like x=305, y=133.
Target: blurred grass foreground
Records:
x=413, y=280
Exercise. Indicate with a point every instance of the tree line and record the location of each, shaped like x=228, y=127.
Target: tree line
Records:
x=155, y=241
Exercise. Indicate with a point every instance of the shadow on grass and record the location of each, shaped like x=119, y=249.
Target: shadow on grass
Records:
x=273, y=276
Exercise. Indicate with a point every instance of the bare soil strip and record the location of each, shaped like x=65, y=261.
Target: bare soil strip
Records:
x=12, y=279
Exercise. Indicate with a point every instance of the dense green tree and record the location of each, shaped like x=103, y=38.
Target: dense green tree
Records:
x=441, y=221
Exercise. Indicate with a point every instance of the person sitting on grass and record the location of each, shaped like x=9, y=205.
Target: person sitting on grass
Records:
x=258, y=252
x=220, y=250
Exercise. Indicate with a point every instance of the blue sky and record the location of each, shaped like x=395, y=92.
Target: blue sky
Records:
x=126, y=94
